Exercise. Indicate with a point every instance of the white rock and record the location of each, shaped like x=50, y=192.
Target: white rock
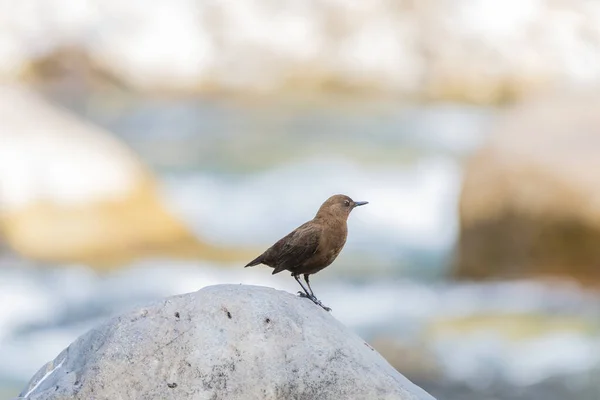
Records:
x=50, y=155
x=222, y=342
x=72, y=191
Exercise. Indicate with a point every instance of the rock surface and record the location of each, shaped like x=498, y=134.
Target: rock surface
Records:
x=477, y=50
x=222, y=342
x=70, y=191
x=530, y=203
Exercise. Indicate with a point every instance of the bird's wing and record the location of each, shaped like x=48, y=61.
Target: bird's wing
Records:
x=294, y=249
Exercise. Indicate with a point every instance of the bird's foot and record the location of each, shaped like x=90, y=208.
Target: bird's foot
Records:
x=314, y=300
x=323, y=306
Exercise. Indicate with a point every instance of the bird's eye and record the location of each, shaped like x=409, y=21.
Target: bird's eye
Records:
x=347, y=203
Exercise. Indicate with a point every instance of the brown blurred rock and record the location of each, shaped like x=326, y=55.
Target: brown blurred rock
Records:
x=530, y=203
x=70, y=191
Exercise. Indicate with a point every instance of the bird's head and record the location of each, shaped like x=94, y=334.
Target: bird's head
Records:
x=339, y=206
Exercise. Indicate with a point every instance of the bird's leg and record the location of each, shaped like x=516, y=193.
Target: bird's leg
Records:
x=308, y=283
x=312, y=295
x=305, y=294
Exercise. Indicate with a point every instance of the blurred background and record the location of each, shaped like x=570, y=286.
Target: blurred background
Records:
x=153, y=148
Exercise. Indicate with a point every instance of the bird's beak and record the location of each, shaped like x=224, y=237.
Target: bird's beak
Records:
x=360, y=203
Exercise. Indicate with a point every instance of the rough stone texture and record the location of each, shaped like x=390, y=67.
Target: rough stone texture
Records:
x=478, y=50
x=530, y=203
x=71, y=191
x=222, y=342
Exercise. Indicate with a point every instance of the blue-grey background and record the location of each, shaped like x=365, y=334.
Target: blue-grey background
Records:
x=249, y=116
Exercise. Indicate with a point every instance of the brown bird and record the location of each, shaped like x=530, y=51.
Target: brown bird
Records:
x=313, y=245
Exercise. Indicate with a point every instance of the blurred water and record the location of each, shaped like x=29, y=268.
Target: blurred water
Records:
x=247, y=173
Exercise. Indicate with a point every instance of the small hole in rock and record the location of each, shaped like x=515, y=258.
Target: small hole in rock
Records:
x=177, y=314
x=228, y=315
x=267, y=320
x=172, y=385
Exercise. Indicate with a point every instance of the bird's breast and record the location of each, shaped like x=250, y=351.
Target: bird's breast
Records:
x=333, y=242
x=332, y=254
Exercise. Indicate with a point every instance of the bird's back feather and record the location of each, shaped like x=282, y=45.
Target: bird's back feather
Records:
x=292, y=251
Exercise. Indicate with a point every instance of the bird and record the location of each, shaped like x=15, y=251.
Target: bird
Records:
x=312, y=246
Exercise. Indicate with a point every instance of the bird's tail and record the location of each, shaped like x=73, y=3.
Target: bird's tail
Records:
x=256, y=261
